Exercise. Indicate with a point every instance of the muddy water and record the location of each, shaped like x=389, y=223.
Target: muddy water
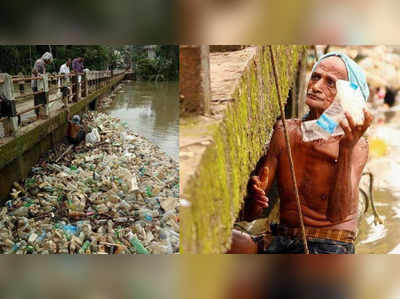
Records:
x=152, y=110
x=385, y=238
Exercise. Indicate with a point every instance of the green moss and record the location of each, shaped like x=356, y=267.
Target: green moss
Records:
x=217, y=189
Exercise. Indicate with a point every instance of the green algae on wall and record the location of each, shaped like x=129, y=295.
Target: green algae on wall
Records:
x=217, y=189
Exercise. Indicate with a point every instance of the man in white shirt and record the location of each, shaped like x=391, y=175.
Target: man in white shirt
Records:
x=65, y=70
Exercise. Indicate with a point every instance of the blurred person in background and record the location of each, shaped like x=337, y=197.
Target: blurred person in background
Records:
x=77, y=67
x=378, y=103
x=39, y=68
x=327, y=172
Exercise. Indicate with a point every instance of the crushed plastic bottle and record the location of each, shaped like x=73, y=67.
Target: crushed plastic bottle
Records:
x=348, y=98
x=139, y=248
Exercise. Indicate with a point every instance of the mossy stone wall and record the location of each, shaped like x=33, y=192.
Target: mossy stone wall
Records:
x=217, y=189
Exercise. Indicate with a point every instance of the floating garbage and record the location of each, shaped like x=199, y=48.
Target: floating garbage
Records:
x=119, y=195
x=106, y=101
x=93, y=137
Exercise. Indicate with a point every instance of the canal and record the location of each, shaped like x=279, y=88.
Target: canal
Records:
x=151, y=109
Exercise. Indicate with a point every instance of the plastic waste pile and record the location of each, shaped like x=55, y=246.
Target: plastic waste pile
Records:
x=106, y=102
x=118, y=195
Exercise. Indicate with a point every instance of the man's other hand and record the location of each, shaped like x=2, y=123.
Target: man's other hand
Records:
x=257, y=188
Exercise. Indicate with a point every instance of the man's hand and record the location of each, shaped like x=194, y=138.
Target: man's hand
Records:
x=257, y=188
x=353, y=132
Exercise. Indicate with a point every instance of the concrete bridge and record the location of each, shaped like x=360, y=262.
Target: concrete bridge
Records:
x=229, y=105
x=21, y=144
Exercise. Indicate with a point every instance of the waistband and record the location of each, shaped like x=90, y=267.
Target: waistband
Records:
x=315, y=232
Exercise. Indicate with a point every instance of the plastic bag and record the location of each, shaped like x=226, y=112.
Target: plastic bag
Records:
x=93, y=137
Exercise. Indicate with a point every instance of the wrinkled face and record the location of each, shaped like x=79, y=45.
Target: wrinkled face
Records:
x=321, y=89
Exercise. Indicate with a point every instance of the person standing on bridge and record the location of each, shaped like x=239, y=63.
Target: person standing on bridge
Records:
x=327, y=172
x=63, y=82
x=39, y=68
x=77, y=65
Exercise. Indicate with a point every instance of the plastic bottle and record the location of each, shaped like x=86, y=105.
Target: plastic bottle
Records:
x=165, y=241
x=348, y=98
x=325, y=126
x=85, y=247
x=22, y=211
x=137, y=244
x=70, y=229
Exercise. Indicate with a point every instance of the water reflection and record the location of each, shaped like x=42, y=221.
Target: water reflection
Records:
x=152, y=110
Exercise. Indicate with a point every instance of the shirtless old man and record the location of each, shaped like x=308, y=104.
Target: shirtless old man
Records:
x=327, y=173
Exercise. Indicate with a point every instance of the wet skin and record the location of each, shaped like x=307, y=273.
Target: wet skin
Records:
x=327, y=172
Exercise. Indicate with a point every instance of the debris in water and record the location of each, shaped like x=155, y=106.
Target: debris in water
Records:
x=119, y=195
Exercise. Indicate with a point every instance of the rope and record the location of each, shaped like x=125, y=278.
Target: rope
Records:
x=377, y=218
x=289, y=153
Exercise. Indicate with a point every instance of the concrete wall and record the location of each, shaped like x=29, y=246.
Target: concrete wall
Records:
x=19, y=154
x=216, y=189
x=194, y=79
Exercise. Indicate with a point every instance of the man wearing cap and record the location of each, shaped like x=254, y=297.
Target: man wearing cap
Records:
x=75, y=133
x=39, y=68
x=327, y=172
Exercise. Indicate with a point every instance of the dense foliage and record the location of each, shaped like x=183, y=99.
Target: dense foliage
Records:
x=164, y=66
x=15, y=59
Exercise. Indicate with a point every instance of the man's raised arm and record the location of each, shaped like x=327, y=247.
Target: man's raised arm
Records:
x=353, y=155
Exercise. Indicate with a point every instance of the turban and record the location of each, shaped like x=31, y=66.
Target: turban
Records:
x=354, y=72
x=47, y=56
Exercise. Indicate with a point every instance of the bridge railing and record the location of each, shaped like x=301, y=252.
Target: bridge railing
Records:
x=68, y=88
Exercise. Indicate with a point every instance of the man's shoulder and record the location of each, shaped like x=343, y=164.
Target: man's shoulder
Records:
x=291, y=124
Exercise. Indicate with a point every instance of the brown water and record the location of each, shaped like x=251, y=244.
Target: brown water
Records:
x=385, y=238
x=151, y=109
